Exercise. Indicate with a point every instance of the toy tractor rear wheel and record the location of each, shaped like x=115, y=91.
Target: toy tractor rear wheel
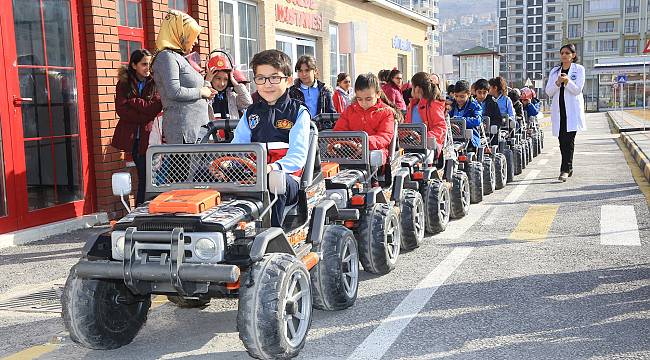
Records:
x=102, y=314
x=524, y=154
x=275, y=307
x=379, y=239
x=510, y=164
x=489, y=176
x=437, y=205
x=412, y=219
x=460, y=195
x=535, y=145
x=183, y=302
x=501, y=171
x=518, y=158
x=335, y=279
x=531, y=152
x=475, y=175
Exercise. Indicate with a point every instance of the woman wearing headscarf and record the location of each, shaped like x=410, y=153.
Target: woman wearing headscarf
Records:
x=183, y=90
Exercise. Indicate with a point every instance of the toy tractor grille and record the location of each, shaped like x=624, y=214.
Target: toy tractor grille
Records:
x=341, y=148
x=209, y=167
x=412, y=136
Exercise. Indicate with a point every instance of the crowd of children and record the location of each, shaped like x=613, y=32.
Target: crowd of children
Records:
x=282, y=107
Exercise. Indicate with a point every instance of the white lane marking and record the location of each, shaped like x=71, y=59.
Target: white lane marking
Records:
x=618, y=226
x=383, y=337
x=519, y=190
x=457, y=228
x=543, y=162
x=492, y=217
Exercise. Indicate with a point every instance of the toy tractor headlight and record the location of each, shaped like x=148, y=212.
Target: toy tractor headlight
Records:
x=339, y=196
x=117, y=242
x=205, y=249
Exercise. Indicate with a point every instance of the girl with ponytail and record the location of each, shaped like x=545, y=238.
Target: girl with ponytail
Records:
x=370, y=113
x=428, y=107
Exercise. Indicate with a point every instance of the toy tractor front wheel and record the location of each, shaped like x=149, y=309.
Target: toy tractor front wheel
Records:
x=489, y=176
x=438, y=206
x=335, y=279
x=518, y=156
x=379, y=238
x=460, y=195
x=102, y=314
x=475, y=174
x=413, y=219
x=510, y=165
x=275, y=307
x=501, y=171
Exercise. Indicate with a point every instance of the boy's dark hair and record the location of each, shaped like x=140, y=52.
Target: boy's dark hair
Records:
x=513, y=95
x=481, y=84
x=276, y=58
x=306, y=60
x=383, y=75
x=461, y=86
x=450, y=89
x=340, y=77
x=430, y=91
x=500, y=84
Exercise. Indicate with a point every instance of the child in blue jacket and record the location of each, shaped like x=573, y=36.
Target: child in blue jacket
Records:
x=469, y=109
x=530, y=102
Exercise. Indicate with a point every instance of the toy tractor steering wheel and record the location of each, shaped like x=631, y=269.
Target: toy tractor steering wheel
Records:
x=455, y=129
x=233, y=169
x=344, y=148
x=410, y=136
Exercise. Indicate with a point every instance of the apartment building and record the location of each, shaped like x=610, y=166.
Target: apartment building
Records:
x=609, y=35
x=530, y=33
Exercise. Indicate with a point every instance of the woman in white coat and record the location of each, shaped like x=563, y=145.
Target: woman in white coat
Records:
x=565, y=83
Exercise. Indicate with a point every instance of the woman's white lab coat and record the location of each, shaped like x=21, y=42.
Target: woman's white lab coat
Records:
x=573, y=99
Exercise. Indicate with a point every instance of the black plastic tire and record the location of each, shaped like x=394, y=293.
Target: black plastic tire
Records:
x=524, y=155
x=518, y=158
x=379, y=239
x=541, y=137
x=94, y=316
x=412, y=218
x=460, y=195
x=530, y=150
x=475, y=175
x=264, y=305
x=489, y=176
x=535, y=146
x=335, y=279
x=501, y=171
x=182, y=302
x=510, y=165
x=437, y=206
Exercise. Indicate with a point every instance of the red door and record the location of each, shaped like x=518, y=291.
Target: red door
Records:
x=45, y=154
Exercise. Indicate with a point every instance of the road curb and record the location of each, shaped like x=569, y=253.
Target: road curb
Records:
x=37, y=233
x=639, y=156
x=618, y=129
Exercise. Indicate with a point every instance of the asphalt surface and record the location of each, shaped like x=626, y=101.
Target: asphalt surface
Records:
x=472, y=292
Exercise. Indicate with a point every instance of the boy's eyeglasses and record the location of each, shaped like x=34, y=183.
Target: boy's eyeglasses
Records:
x=275, y=79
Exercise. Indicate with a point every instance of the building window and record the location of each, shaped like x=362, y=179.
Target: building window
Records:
x=574, y=31
x=575, y=11
x=605, y=26
x=602, y=5
x=631, y=46
x=402, y=65
x=631, y=6
x=550, y=37
x=550, y=28
x=180, y=5
x=238, y=33
x=550, y=18
x=632, y=25
x=551, y=9
x=130, y=29
x=417, y=60
x=339, y=63
x=607, y=45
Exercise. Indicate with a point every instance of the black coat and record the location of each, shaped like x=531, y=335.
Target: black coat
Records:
x=325, y=102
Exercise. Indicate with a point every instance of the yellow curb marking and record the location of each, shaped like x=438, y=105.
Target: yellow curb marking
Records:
x=637, y=173
x=33, y=352
x=158, y=301
x=535, y=224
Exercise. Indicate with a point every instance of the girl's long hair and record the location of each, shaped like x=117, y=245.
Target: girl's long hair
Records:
x=500, y=84
x=430, y=91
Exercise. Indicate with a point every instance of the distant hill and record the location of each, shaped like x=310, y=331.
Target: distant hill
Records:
x=449, y=9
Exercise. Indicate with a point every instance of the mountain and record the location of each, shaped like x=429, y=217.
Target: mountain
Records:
x=449, y=8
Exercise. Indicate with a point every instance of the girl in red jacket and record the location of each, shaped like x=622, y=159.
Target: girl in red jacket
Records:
x=393, y=89
x=342, y=95
x=370, y=113
x=428, y=107
x=137, y=103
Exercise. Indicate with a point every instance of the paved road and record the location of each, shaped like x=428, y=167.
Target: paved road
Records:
x=539, y=270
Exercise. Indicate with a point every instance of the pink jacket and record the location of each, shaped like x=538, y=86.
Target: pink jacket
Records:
x=394, y=94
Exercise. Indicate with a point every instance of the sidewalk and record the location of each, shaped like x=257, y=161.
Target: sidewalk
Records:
x=630, y=120
x=639, y=145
